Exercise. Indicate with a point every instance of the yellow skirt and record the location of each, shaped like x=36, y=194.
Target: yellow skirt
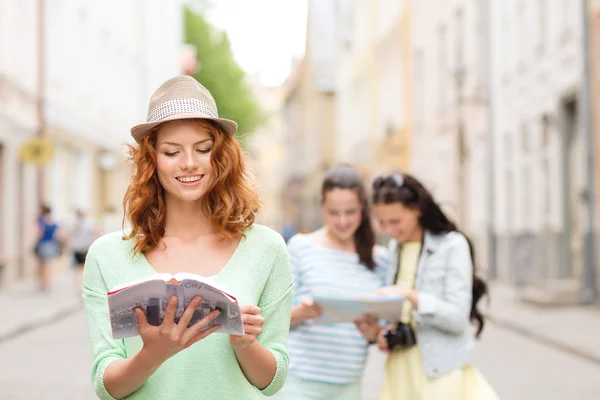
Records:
x=405, y=379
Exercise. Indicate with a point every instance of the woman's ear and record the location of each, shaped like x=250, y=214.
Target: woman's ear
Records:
x=418, y=212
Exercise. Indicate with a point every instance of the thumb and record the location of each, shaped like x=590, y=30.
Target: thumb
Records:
x=308, y=301
x=141, y=319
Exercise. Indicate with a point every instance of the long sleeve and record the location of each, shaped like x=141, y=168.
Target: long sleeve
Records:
x=296, y=267
x=451, y=312
x=276, y=305
x=104, y=349
x=383, y=262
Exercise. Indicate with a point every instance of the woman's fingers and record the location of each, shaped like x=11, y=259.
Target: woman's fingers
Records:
x=381, y=340
x=142, y=322
x=249, y=319
x=188, y=314
x=250, y=309
x=169, y=318
x=253, y=330
x=199, y=326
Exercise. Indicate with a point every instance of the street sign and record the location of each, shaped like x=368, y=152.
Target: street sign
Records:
x=37, y=151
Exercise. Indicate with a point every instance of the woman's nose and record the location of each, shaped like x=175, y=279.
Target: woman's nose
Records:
x=189, y=161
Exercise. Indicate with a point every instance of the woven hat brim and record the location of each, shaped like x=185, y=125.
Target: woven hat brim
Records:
x=139, y=131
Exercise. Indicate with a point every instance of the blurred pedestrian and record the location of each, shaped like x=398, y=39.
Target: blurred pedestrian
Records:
x=432, y=346
x=82, y=235
x=48, y=246
x=341, y=258
x=192, y=209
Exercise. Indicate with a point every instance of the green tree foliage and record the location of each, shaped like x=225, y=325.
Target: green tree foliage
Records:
x=220, y=74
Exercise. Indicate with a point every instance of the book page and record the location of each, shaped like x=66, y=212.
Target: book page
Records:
x=348, y=309
x=161, y=277
x=230, y=318
x=181, y=276
x=152, y=296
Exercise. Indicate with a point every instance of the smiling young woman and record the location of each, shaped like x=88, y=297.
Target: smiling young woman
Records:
x=230, y=200
x=341, y=258
x=191, y=209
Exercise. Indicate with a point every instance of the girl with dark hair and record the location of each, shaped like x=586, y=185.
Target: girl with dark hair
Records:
x=341, y=258
x=432, y=346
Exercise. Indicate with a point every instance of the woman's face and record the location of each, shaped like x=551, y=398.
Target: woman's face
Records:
x=399, y=221
x=183, y=165
x=342, y=212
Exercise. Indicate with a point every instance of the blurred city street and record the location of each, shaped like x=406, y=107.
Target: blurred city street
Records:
x=493, y=105
x=519, y=366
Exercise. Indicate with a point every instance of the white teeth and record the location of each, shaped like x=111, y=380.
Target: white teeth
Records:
x=188, y=179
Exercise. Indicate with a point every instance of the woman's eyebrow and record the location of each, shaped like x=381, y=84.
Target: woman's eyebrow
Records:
x=197, y=143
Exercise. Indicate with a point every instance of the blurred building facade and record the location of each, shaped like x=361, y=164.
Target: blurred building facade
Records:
x=309, y=119
x=480, y=100
x=373, y=84
x=266, y=155
x=539, y=165
x=449, y=121
x=347, y=100
x=98, y=71
x=594, y=58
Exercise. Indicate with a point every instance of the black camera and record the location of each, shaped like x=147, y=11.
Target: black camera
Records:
x=401, y=336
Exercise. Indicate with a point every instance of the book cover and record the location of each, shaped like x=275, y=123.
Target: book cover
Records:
x=152, y=296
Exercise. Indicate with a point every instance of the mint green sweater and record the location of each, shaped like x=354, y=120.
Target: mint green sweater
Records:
x=258, y=273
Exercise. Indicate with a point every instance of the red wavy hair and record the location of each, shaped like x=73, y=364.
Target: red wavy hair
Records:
x=231, y=202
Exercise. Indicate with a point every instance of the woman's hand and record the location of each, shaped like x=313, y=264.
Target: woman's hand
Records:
x=308, y=309
x=408, y=293
x=305, y=311
x=253, y=323
x=368, y=326
x=394, y=290
x=164, y=341
x=382, y=341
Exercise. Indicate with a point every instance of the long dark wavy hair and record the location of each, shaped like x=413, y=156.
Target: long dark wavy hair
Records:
x=347, y=177
x=405, y=189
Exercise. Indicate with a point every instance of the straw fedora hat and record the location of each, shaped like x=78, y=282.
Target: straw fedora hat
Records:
x=181, y=97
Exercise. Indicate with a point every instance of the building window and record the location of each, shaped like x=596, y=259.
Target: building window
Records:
x=507, y=149
x=442, y=68
x=459, y=37
x=419, y=80
x=521, y=36
x=508, y=180
x=566, y=11
x=509, y=192
x=545, y=155
x=545, y=132
x=506, y=50
x=525, y=139
x=526, y=185
x=546, y=189
x=566, y=20
x=542, y=25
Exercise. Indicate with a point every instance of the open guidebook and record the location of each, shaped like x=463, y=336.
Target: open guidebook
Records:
x=337, y=309
x=152, y=295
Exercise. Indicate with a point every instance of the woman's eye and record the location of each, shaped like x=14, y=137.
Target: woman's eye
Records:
x=204, y=151
x=170, y=154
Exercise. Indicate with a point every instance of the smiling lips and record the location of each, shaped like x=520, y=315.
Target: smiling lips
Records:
x=189, y=179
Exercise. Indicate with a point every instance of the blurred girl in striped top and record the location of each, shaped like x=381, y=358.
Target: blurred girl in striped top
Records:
x=327, y=361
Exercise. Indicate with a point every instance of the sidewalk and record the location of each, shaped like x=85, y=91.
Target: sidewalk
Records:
x=573, y=329
x=24, y=308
